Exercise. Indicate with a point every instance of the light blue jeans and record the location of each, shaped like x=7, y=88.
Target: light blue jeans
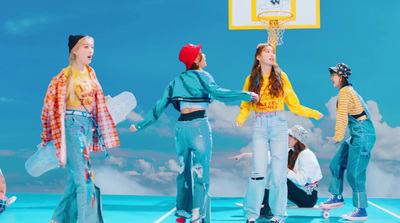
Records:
x=193, y=146
x=354, y=155
x=81, y=199
x=269, y=134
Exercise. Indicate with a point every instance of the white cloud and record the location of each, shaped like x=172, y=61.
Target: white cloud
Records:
x=225, y=183
x=144, y=166
x=331, y=105
x=158, y=174
x=121, y=162
x=385, y=151
x=387, y=138
x=173, y=165
x=24, y=24
x=163, y=177
x=131, y=173
x=134, y=117
x=7, y=152
x=160, y=178
x=381, y=183
x=222, y=119
x=164, y=126
x=8, y=100
x=112, y=181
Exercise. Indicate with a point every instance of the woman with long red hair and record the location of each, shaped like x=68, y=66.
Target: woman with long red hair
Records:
x=269, y=132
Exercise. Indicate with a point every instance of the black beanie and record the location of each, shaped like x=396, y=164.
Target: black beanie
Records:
x=72, y=40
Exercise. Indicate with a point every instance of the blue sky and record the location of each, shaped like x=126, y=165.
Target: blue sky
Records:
x=136, y=49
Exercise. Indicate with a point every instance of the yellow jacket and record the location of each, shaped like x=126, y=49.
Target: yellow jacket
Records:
x=270, y=103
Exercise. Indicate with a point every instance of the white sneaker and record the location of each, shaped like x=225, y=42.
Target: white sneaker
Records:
x=11, y=200
x=277, y=220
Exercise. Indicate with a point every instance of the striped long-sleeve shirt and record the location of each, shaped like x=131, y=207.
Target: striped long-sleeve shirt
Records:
x=348, y=103
x=53, y=117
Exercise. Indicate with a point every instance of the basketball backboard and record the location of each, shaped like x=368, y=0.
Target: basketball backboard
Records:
x=243, y=13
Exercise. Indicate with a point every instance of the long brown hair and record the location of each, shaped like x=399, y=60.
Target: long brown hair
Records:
x=275, y=84
x=292, y=156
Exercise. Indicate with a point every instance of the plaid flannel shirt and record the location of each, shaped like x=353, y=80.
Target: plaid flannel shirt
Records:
x=53, y=117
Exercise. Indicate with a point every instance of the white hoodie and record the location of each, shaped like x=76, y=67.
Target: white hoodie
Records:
x=306, y=170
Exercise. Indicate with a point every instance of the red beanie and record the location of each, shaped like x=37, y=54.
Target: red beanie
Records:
x=189, y=54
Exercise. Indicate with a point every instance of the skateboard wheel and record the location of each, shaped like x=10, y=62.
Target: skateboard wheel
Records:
x=325, y=214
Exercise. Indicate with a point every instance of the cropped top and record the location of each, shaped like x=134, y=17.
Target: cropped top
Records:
x=194, y=87
x=85, y=88
x=348, y=103
x=186, y=104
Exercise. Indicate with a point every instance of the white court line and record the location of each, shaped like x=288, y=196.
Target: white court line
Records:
x=165, y=216
x=383, y=209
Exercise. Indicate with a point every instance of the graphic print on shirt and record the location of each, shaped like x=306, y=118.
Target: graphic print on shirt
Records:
x=268, y=106
x=85, y=89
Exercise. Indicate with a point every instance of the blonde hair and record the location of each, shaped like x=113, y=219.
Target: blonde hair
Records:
x=70, y=80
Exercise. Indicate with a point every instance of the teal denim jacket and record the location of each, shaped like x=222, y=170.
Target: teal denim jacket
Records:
x=192, y=86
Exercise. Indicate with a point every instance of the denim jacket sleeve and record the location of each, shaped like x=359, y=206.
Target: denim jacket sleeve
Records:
x=155, y=113
x=221, y=94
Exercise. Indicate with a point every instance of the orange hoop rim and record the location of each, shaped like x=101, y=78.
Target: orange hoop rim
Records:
x=281, y=16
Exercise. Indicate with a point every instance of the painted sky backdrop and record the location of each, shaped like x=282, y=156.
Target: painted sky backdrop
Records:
x=136, y=49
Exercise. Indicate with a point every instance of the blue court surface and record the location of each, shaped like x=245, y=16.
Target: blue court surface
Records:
x=37, y=208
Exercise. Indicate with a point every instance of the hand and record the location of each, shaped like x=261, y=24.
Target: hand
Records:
x=332, y=140
x=239, y=124
x=133, y=128
x=320, y=115
x=237, y=158
x=254, y=96
x=42, y=145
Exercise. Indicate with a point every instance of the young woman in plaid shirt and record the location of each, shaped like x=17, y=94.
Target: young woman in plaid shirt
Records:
x=76, y=119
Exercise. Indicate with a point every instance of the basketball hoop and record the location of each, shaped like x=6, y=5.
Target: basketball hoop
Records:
x=275, y=22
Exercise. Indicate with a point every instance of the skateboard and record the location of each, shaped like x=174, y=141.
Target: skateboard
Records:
x=241, y=205
x=325, y=210
x=44, y=159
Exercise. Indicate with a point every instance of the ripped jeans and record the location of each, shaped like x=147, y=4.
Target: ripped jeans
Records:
x=81, y=199
x=193, y=146
x=269, y=134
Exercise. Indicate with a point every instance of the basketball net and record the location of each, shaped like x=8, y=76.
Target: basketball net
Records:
x=275, y=22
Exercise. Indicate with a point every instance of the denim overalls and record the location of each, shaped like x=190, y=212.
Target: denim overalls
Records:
x=354, y=155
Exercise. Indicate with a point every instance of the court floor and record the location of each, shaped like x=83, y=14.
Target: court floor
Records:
x=38, y=208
